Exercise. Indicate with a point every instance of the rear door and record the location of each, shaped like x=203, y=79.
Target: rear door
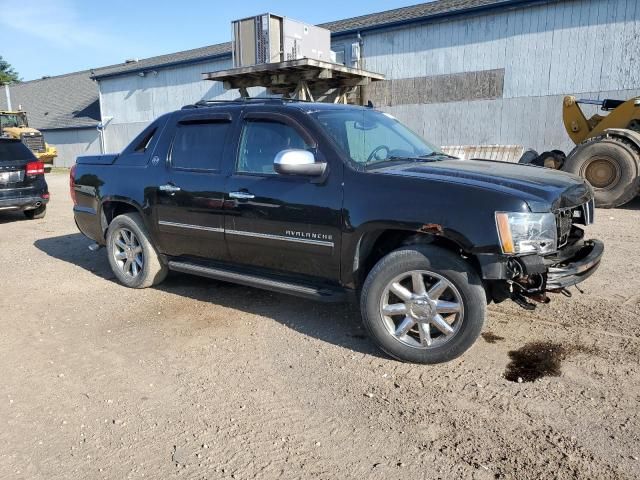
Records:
x=190, y=198
x=14, y=157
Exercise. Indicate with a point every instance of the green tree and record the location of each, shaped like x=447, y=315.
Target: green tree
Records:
x=7, y=73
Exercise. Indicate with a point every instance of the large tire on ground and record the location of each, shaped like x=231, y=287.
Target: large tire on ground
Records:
x=134, y=260
x=36, y=213
x=423, y=304
x=610, y=165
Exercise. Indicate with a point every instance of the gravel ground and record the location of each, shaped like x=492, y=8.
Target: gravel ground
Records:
x=203, y=379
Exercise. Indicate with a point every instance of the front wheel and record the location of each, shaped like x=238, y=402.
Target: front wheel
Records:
x=423, y=304
x=133, y=259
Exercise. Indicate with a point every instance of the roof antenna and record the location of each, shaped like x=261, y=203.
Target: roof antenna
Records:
x=370, y=104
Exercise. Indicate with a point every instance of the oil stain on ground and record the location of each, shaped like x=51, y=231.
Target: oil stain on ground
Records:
x=491, y=337
x=540, y=359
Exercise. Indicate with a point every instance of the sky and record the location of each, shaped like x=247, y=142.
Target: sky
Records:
x=53, y=37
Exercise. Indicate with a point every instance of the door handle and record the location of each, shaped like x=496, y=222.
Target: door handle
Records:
x=242, y=195
x=169, y=188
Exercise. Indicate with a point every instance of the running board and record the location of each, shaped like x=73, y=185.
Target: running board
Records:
x=258, y=281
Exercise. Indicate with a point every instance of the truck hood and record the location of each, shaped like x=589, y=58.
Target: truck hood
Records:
x=543, y=189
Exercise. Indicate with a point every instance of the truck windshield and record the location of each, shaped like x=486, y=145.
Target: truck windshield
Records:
x=370, y=137
x=12, y=120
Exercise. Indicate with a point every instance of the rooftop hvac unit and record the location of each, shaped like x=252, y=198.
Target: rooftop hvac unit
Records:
x=271, y=39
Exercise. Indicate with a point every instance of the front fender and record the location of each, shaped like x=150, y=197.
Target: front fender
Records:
x=357, y=245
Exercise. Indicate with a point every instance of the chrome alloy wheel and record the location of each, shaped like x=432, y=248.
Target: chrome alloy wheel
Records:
x=127, y=252
x=421, y=309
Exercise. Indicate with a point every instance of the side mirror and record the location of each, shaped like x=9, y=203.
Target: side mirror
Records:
x=298, y=162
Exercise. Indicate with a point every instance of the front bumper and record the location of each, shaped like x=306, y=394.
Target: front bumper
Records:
x=577, y=268
x=22, y=203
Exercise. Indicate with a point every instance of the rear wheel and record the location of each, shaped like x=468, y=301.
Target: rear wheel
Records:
x=36, y=213
x=423, y=304
x=610, y=166
x=133, y=259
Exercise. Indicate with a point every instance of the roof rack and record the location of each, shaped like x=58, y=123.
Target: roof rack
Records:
x=241, y=100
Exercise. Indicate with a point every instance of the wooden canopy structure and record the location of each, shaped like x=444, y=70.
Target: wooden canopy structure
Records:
x=302, y=79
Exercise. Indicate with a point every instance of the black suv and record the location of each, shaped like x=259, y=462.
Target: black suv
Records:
x=22, y=183
x=332, y=201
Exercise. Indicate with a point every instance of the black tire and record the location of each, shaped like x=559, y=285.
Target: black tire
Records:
x=443, y=263
x=610, y=166
x=153, y=270
x=36, y=213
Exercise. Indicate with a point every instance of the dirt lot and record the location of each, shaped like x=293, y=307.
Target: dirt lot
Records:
x=203, y=379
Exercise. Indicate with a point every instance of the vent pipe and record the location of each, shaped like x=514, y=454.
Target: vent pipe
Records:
x=8, y=94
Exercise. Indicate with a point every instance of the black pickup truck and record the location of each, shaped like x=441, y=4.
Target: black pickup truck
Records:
x=330, y=202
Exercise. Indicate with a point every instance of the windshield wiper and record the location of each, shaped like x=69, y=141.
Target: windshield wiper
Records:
x=429, y=157
x=392, y=158
x=436, y=155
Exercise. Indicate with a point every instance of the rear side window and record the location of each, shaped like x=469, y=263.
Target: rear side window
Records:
x=199, y=145
x=13, y=150
x=145, y=141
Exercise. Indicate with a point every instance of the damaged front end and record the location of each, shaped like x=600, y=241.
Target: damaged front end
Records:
x=559, y=258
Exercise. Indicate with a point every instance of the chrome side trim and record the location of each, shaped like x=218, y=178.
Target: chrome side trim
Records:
x=321, y=243
x=191, y=227
x=267, y=236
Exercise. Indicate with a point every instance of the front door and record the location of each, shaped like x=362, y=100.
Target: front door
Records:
x=189, y=209
x=281, y=222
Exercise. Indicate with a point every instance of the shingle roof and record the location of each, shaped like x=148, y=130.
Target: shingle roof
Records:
x=65, y=101
x=417, y=12
x=195, y=55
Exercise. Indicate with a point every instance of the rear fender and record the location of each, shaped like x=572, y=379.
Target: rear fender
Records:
x=112, y=206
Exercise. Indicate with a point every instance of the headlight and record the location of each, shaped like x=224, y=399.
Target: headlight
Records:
x=527, y=232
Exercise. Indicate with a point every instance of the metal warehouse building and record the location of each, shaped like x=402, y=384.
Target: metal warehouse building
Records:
x=457, y=71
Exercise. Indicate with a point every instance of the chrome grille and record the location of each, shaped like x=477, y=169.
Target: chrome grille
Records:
x=564, y=221
x=35, y=143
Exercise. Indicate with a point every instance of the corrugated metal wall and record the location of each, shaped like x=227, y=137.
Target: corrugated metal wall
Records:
x=72, y=143
x=584, y=47
x=133, y=101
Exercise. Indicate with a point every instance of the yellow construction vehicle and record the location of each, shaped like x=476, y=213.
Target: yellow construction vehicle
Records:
x=607, y=152
x=16, y=125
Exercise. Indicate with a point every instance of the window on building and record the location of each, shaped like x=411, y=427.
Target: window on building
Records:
x=199, y=146
x=340, y=53
x=262, y=140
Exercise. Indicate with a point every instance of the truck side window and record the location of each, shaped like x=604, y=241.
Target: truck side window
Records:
x=144, y=142
x=199, y=145
x=261, y=141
